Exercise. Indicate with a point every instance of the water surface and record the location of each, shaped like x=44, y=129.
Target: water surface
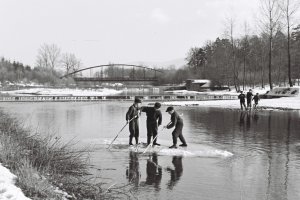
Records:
x=265, y=147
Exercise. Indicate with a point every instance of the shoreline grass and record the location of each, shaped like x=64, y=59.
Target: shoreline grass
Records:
x=46, y=167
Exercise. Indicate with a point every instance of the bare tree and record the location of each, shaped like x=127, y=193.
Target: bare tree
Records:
x=48, y=56
x=271, y=14
x=70, y=63
x=229, y=32
x=245, y=50
x=289, y=8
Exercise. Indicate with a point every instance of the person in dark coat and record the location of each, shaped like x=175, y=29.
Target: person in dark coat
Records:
x=177, y=122
x=132, y=116
x=242, y=100
x=154, y=119
x=249, y=96
x=256, y=99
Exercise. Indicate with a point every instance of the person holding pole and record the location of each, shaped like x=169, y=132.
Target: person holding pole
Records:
x=132, y=118
x=151, y=143
x=154, y=119
x=177, y=122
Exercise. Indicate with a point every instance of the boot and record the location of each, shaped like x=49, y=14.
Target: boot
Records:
x=173, y=146
x=130, y=141
x=183, y=145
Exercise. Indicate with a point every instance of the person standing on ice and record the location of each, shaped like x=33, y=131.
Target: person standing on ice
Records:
x=132, y=118
x=249, y=99
x=154, y=119
x=255, y=99
x=177, y=122
x=242, y=100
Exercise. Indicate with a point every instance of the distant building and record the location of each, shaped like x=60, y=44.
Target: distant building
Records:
x=200, y=85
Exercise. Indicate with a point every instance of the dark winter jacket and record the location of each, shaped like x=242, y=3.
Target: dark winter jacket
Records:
x=175, y=120
x=242, y=97
x=249, y=96
x=256, y=98
x=152, y=115
x=132, y=112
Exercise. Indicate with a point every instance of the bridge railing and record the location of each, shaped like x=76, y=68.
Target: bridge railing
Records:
x=120, y=79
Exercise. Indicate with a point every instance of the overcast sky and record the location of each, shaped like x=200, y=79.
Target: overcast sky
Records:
x=119, y=31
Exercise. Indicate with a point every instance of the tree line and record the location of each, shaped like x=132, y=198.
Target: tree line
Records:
x=50, y=65
x=269, y=57
x=16, y=72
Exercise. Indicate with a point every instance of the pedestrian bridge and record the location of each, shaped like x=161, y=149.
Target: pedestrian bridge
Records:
x=115, y=73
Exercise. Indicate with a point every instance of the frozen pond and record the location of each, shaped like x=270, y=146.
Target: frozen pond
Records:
x=231, y=154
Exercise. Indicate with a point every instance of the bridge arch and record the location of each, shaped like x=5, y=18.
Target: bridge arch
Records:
x=112, y=65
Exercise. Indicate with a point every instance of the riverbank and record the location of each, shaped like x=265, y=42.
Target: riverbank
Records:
x=283, y=103
x=219, y=99
x=43, y=167
x=8, y=189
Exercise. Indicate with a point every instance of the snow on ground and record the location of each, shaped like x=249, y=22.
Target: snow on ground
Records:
x=8, y=190
x=276, y=103
x=284, y=102
x=280, y=103
x=64, y=92
x=217, y=92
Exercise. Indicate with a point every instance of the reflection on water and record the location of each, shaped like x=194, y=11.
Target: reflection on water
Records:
x=246, y=118
x=175, y=173
x=153, y=171
x=265, y=144
x=133, y=172
x=278, y=165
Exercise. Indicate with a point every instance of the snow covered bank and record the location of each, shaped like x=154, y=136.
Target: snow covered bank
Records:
x=42, y=163
x=278, y=103
x=8, y=190
x=217, y=92
x=64, y=92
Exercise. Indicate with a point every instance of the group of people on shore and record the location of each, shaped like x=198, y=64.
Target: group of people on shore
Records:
x=154, y=120
x=250, y=97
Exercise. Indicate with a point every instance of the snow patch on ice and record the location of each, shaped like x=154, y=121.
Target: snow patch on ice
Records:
x=195, y=153
x=193, y=150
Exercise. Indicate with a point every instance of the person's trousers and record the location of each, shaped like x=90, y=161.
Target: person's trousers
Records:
x=249, y=104
x=243, y=104
x=151, y=132
x=177, y=133
x=134, y=131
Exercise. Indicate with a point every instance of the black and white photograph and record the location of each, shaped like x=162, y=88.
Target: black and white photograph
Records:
x=149, y=99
